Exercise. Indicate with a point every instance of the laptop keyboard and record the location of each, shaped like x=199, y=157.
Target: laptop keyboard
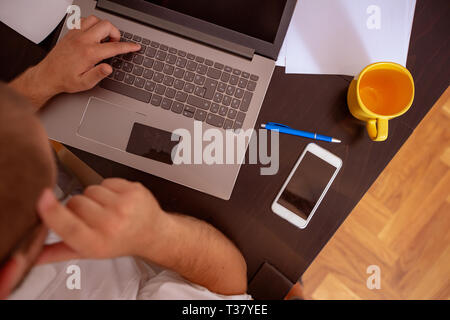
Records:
x=180, y=82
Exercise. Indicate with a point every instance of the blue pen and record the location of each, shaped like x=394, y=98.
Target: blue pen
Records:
x=288, y=130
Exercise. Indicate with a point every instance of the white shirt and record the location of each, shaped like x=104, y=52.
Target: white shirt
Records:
x=125, y=278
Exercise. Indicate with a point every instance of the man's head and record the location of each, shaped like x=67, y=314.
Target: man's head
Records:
x=26, y=169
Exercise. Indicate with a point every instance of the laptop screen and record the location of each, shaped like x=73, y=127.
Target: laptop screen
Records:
x=234, y=14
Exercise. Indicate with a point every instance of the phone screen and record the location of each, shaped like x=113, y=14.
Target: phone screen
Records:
x=306, y=185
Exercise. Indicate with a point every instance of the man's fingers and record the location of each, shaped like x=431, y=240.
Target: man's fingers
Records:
x=88, y=210
x=103, y=30
x=111, y=49
x=71, y=229
x=100, y=194
x=95, y=75
x=117, y=185
x=87, y=23
x=56, y=253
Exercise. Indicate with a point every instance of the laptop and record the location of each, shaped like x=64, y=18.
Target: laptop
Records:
x=203, y=64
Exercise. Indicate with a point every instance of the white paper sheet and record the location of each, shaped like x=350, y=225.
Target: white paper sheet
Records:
x=34, y=19
x=332, y=36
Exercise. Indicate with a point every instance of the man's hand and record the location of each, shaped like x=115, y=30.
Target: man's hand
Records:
x=74, y=64
x=116, y=218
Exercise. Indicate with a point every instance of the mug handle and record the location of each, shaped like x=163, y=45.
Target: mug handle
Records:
x=377, y=129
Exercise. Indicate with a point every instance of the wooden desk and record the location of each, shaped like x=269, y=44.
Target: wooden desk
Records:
x=310, y=102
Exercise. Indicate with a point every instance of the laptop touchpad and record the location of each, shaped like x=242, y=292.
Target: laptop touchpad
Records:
x=108, y=123
x=119, y=128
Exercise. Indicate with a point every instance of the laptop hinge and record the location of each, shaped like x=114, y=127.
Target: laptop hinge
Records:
x=176, y=28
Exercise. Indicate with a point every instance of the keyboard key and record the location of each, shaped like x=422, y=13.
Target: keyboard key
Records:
x=158, y=77
x=230, y=90
x=245, y=75
x=218, y=97
x=139, y=82
x=182, y=53
x=181, y=96
x=166, y=104
x=215, y=120
x=199, y=80
x=228, y=69
x=221, y=87
x=226, y=101
x=239, y=120
x=236, y=72
x=254, y=77
x=178, y=84
x=137, y=38
x=191, y=65
x=117, y=63
x=163, y=47
x=177, y=107
x=198, y=102
x=246, y=101
x=218, y=66
x=181, y=62
x=168, y=69
x=150, y=86
x=126, y=90
x=170, y=93
x=128, y=35
x=145, y=41
x=189, y=76
x=138, y=70
x=161, y=55
x=156, y=100
x=239, y=93
x=178, y=73
x=172, y=50
x=148, y=74
x=160, y=89
x=251, y=86
x=199, y=59
x=150, y=52
x=234, y=80
x=200, y=115
x=168, y=81
x=209, y=63
x=225, y=77
x=189, y=87
x=142, y=50
x=242, y=83
x=232, y=114
x=214, y=108
x=128, y=56
x=199, y=91
x=129, y=78
x=148, y=63
x=119, y=75
x=210, y=86
x=155, y=44
x=223, y=110
x=202, y=69
x=190, y=56
x=158, y=66
x=127, y=67
x=214, y=73
x=228, y=124
x=235, y=103
x=171, y=59
x=188, y=111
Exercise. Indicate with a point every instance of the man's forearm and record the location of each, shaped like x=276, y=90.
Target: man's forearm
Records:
x=201, y=254
x=32, y=85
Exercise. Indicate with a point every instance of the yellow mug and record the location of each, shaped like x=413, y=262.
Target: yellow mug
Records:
x=382, y=91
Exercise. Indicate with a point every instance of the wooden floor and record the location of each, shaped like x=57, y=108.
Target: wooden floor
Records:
x=402, y=225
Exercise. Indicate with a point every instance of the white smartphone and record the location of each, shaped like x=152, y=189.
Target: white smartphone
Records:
x=306, y=185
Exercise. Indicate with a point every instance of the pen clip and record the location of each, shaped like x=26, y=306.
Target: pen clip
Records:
x=277, y=124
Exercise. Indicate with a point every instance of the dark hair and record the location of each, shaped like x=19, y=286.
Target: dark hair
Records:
x=25, y=170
